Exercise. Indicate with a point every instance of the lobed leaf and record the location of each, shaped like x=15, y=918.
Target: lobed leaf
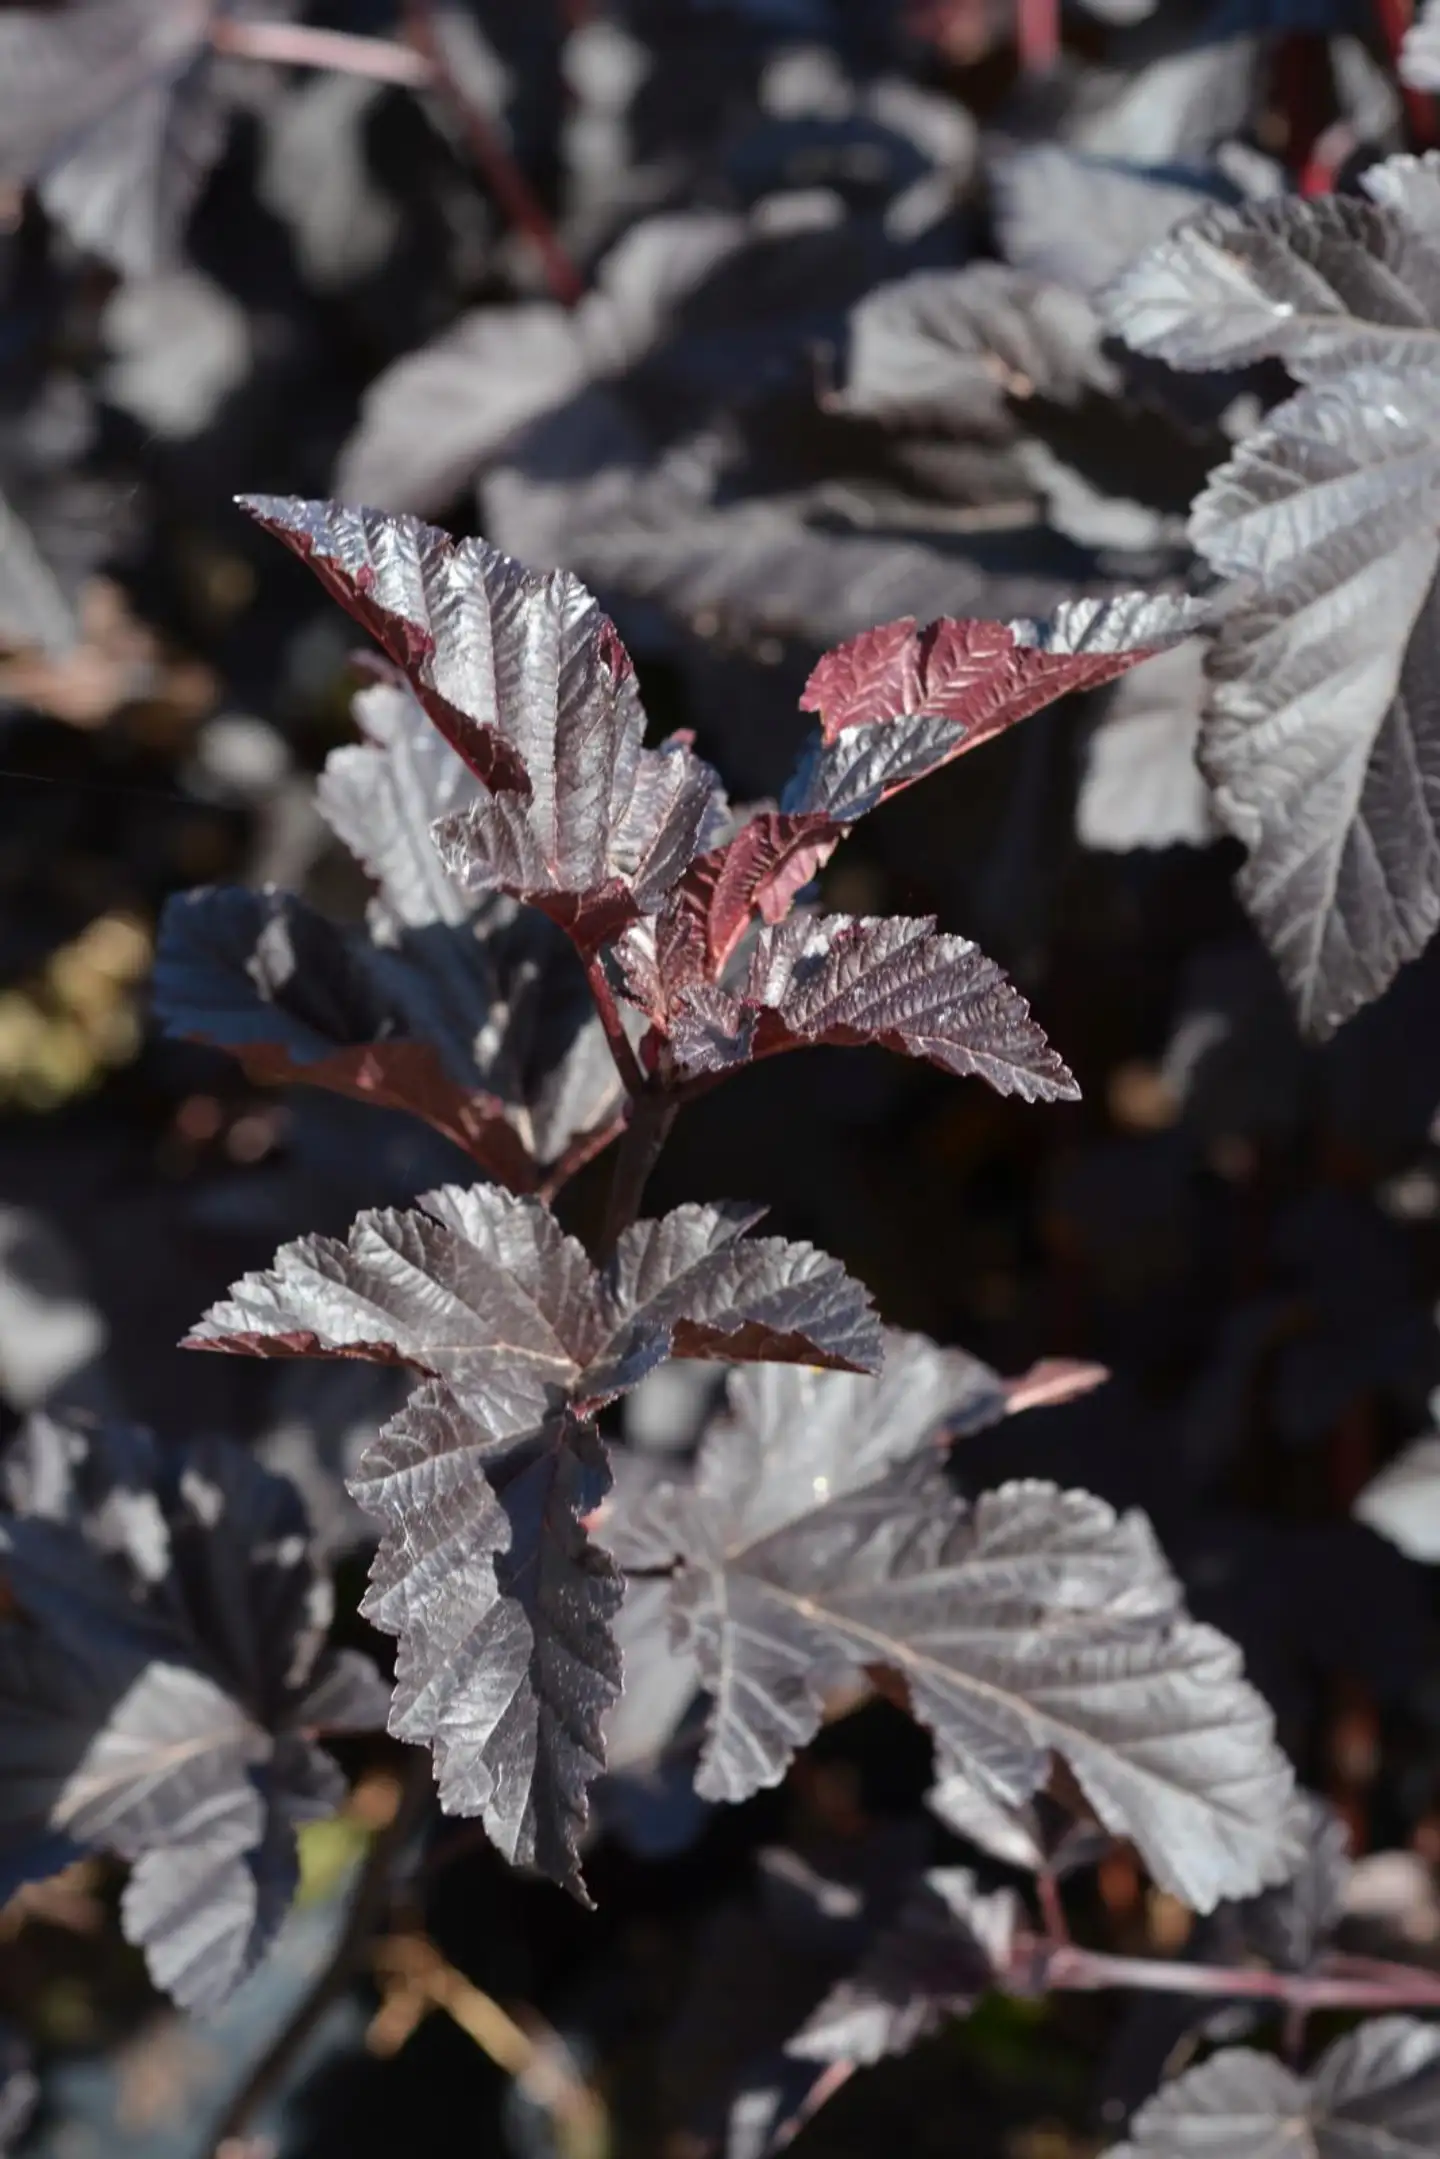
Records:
x=161, y=1682
x=891, y=981
x=1375, y=2094
x=816, y=1540
x=484, y=1028
x=1320, y=741
x=944, y=1950
x=483, y=1483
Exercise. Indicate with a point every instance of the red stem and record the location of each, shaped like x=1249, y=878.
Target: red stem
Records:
x=1037, y=34
x=289, y=44
x=1087, y=1971
x=627, y=1063
x=506, y=181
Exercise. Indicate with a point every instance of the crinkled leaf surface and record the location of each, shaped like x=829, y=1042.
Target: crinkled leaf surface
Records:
x=485, y=1027
x=500, y=1601
x=947, y=1943
x=502, y=1606
x=1374, y=2095
x=1036, y=1623
x=161, y=1681
x=888, y=980
x=527, y=679
x=922, y=696
x=108, y=105
x=1321, y=740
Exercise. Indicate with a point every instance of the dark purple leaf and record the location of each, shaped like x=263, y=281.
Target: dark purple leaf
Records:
x=943, y=1951
x=501, y=1602
x=1374, y=2095
x=885, y=980
x=529, y=682
x=1320, y=741
x=108, y=105
x=949, y=349
x=484, y=1028
x=1037, y=1624
x=502, y=1606
x=161, y=1689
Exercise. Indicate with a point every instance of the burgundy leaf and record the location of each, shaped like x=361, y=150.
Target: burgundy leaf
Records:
x=944, y=1949
x=484, y=1483
x=530, y=683
x=893, y=981
x=979, y=677
x=757, y=871
x=485, y=1028
x=503, y=1609
x=431, y=603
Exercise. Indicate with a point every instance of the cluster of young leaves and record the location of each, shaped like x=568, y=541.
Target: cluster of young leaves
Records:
x=163, y=1681
x=486, y=1479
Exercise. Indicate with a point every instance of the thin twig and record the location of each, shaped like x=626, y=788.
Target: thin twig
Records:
x=508, y=183
x=651, y=1116
x=367, y=1903
x=290, y=44
x=421, y=1978
x=1065, y=1968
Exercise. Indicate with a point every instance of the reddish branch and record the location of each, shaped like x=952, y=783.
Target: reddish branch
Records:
x=289, y=44
x=507, y=182
x=420, y=63
x=1037, y=34
x=1372, y=1984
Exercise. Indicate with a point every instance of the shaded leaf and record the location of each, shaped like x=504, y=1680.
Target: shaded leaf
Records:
x=1037, y=1623
x=107, y=104
x=1291, y=1924
x=943, y=1951
x=1141, y=786
x=1083, y=220
x=431, y=422
x=160, y=1687
x=1320, y=741
x=501, y=1602
x=1375, y=2095
x=382, y=795
x=486, y=1029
